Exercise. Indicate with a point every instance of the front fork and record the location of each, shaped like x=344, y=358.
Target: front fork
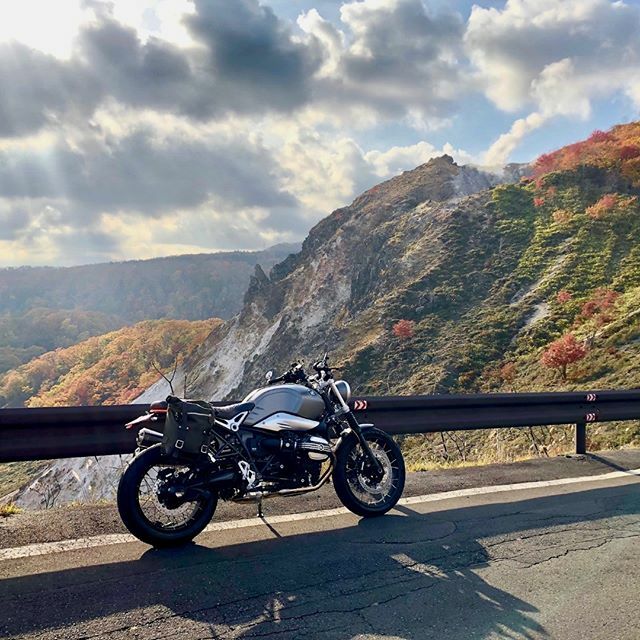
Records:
x=355, y=427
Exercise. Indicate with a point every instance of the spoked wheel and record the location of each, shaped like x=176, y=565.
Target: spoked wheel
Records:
x=155, y=504
x=356, y=482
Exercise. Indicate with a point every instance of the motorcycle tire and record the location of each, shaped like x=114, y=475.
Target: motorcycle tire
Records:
x=141, y=524
x=358, y=493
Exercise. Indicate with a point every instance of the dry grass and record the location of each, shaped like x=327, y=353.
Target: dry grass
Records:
x=9, y=509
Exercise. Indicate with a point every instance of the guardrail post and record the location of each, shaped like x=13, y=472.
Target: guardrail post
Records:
x=581, y=437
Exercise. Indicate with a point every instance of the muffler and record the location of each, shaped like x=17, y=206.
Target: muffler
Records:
x=148, y=437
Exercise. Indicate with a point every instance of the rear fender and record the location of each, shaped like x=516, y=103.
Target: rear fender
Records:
x=150, y=420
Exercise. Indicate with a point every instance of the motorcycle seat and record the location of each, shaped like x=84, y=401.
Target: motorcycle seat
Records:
x=231, y=410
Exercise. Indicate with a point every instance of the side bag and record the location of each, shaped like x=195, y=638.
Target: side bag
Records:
x=188, y=428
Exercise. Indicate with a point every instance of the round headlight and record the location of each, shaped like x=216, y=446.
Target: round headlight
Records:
x=344, y=389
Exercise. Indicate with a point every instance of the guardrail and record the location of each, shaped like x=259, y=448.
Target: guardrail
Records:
x=67, y=432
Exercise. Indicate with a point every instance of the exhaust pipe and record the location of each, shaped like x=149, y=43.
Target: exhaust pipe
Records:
x=220, y=478
x=148, y=437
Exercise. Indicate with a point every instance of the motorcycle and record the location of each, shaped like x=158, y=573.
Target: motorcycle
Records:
x=287, y=438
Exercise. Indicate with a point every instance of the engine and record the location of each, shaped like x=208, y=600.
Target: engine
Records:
x=292, y=460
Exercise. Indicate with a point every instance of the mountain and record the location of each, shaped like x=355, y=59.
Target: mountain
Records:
x=44, y=308
x=113, y=368
x=441, y=280
x=412, y=248
x=109, y=369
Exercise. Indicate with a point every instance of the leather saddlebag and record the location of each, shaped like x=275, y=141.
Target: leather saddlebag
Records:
x=188, y=428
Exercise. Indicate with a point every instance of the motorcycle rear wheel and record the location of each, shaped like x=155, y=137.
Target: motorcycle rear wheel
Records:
x=145, y=516
x=356, y=490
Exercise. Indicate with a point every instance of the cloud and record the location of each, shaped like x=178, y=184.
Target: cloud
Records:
x=146, y=172
x=243, y=128
x=394, y=59
x=13, y=220
x=555, y=56
x=499, y=152
x=38, y=89
x=253, y=56
x=397, y=159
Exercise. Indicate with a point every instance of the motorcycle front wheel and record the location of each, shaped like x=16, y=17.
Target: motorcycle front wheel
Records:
x=354, y=479
x=151, y=505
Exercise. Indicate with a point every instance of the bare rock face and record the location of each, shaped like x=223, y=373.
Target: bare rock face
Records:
x=350, y=265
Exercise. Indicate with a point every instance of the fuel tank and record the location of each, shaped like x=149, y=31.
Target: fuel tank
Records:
x=293, y=399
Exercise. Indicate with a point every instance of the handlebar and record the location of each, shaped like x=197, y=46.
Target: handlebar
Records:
x=296, y=372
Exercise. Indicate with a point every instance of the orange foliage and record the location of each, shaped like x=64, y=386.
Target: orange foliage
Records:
x=563, y=296
x=621, y=144
x=113, y=368
x=508, y=372
x=561, y=216
x=609, y=203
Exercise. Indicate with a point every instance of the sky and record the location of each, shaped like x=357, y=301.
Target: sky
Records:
x=134, y=129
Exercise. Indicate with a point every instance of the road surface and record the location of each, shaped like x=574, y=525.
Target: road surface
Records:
x=559, y=561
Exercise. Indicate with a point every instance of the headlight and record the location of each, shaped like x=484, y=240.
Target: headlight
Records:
x=344, y=389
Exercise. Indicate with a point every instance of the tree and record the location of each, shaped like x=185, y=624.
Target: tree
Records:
x=629, y=151
x=563, y=352
x=611, y=203
x=561, y=216
x=563, y=296
x=599, y=136
x=508, y=373
x=599, y=310
x=404, y=329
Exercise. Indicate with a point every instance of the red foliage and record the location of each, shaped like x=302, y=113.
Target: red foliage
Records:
x=563, y=296
x=601, y=305
x=604, y=149
x=605, y=205
x=600, y=136
x=538, y=202
x=404, y=329
x=545, y=163
x=563, y=352
x=629, y=151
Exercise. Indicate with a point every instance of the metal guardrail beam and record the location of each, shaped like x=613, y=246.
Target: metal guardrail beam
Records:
x=66, y=432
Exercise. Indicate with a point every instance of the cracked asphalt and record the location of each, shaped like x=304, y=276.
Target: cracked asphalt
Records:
x=556, y=562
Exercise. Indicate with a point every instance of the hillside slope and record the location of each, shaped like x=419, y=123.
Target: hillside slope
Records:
x=110, y=369
x=480, y=277
x=44, y=308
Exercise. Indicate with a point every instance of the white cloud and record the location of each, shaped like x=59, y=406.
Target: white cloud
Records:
x=397, y=159
x=555, y=56
x=499, y=152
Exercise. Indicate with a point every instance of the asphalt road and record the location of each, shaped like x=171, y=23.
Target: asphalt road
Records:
x=554, y=562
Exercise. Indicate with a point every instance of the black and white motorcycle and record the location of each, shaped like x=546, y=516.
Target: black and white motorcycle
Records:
x=284, y=439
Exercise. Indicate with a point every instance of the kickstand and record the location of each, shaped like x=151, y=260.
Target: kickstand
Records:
x=260, y=511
